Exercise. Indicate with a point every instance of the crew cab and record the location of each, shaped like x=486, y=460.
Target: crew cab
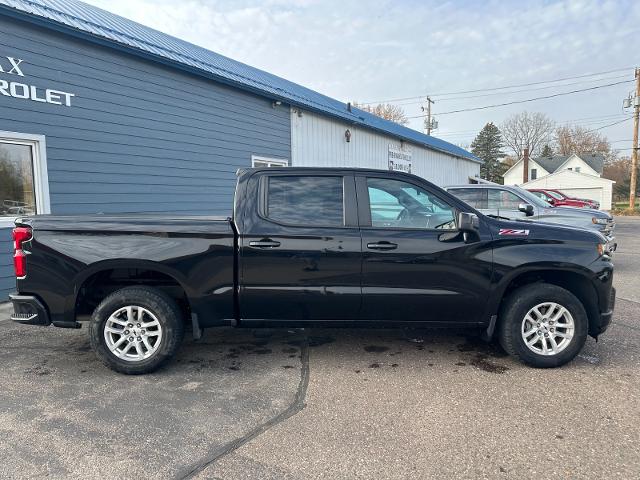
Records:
x=314, y=247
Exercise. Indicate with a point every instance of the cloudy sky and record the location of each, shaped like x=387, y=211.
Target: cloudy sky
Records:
x=393, y=49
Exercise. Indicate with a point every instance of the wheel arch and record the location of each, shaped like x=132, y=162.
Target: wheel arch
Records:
x=114, y=274
x=576, y=281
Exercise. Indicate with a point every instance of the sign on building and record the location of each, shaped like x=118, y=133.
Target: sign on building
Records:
x=399, y=159
x=14, y=87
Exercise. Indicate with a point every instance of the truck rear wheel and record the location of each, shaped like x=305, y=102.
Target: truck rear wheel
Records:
x=543, y=325
x=136, y=329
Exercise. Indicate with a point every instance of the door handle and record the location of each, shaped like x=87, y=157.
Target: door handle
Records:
x=264, y=243
x=382, y=246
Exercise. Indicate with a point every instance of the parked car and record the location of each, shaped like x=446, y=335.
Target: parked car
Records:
x=517, y=203
x=314, y=247
x=559, y=199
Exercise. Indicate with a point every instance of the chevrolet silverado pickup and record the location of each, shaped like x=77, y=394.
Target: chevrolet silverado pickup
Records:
x=321, y=247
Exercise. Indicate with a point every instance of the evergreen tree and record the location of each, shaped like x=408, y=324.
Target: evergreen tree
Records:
x=547, y=151
x=488, y=147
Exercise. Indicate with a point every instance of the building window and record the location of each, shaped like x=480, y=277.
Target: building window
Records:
x=534, y=173
x=24, y=185
x=257, y=161
x=577, y=169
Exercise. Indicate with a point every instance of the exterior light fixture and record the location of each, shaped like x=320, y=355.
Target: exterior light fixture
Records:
x=347, y=135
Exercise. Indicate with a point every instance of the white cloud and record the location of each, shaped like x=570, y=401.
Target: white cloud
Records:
x=386, y=49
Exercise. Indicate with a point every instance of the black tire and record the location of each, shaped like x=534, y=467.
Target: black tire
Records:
x=516, y=307
x=163, y=307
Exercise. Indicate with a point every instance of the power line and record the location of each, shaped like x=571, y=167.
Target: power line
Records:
x=607, y=126
x=546, y=87
x=580, y=122
x=496, y=88
x=527, y=100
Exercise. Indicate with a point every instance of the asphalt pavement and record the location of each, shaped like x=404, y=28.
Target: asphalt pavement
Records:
x=319, y=403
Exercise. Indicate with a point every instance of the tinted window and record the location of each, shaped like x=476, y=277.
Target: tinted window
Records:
x=476, y=197
x=313, y=201
x=503, y=200
x=397, y=204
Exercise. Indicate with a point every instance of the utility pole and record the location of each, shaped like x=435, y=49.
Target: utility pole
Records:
x=634, y=151
x=428, y=108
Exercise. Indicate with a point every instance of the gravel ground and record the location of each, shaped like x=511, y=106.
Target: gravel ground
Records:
x=281, y=404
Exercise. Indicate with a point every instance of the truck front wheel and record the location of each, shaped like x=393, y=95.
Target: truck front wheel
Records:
x=136, y=329
x=542, y=324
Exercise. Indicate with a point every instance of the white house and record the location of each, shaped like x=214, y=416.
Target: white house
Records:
x=576, y=175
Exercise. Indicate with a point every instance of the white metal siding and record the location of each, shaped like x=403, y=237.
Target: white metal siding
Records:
x=317, y=141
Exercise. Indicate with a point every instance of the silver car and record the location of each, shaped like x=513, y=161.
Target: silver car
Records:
x=517, y=203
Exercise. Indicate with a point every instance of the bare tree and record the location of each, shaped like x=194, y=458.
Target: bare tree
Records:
x=527, y=130
x=576, y=139
x=386, y=111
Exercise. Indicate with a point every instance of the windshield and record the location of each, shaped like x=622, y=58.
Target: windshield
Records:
x=555, y=195
x=531, y=198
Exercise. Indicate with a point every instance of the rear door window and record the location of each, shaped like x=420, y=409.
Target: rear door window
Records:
x=306, y=200
x=476, y=197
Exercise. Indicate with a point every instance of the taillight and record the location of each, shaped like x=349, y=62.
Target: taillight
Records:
x=20, y=235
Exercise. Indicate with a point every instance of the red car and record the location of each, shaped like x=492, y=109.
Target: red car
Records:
x=559, y=199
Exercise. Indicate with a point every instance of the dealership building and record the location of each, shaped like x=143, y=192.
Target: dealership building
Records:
x=99, y=114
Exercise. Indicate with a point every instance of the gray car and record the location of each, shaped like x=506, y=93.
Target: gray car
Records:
x=517, y=203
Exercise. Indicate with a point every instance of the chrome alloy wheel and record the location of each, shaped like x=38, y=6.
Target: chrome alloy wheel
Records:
x=547, y=329
x=132, y=333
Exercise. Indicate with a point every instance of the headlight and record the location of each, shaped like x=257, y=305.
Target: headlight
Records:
x=599, y=221
x=604, y=249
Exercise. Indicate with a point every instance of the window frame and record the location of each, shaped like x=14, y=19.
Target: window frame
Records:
x=271, y=161
x=483, y=191
x=38, y=145
x=500, y=190
x=349, y=210
x=364, y=207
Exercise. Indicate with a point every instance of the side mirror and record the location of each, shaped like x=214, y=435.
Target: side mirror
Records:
x=468, y=222
x=526, y=208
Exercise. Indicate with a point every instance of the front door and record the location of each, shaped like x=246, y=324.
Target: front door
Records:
x=416, y=264
x=505, y=203
x=300, y=251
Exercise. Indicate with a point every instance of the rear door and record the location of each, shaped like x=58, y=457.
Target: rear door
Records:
x=300, y=250
x=416, y=264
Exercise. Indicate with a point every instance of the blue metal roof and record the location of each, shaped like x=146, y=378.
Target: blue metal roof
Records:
x=93, y=23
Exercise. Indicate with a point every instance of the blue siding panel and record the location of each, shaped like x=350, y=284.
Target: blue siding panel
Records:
x=133, y=123
x=139, y=136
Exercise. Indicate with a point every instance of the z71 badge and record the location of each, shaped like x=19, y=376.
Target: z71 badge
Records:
x=510, y=231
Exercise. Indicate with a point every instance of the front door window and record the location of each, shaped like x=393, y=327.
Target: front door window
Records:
x=398, y=204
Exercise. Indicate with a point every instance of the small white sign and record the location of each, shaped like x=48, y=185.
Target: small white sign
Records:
x=13, y=67
x=399, y=159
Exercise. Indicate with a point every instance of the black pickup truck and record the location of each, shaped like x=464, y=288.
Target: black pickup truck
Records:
x=314, y=247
